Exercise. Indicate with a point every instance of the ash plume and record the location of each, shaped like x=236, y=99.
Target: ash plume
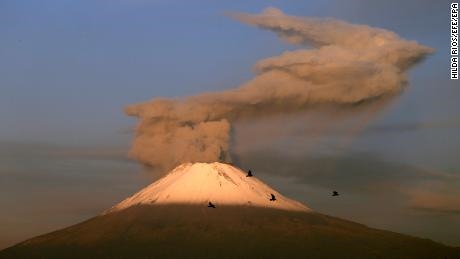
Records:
x=342, y=64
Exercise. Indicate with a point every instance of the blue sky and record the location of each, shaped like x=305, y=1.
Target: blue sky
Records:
x=67, y=69
x=91, y=58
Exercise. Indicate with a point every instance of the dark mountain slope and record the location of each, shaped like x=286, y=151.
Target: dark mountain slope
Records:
x=185, y=231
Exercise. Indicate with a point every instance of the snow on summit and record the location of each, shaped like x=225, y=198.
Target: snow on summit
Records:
x=200, y=183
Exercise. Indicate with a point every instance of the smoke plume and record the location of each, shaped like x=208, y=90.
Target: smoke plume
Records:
x=343, y=64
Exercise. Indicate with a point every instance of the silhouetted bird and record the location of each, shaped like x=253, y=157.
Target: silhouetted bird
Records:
x=211, y=205
x=273, y=198
x=249, y=174
x=334, y=193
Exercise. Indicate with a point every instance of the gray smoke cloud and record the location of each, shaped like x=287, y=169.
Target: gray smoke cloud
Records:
x=342, y=64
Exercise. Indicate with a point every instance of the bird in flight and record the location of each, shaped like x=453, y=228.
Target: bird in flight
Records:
x=211, y=205
x=249, y=174
x=334, y=193
x=273, y=198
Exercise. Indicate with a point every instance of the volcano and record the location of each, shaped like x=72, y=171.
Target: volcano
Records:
x=171, y=219
x=199, y=183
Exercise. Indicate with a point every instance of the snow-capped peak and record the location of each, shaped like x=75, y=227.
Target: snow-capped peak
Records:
x=200, y=183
